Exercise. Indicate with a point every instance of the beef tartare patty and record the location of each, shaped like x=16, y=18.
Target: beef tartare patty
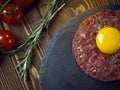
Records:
x=89, y=58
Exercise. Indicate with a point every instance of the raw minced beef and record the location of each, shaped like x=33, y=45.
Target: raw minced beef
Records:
x=88, y=57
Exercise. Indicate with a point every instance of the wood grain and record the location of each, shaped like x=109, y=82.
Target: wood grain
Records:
x=9, y=78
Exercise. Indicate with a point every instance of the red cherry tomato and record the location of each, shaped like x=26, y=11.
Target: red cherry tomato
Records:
x=7, y=40
x=24, y=3
x=12, y=14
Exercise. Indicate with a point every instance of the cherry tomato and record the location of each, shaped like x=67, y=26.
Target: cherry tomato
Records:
x=12, y=14
x=7, y=40
x=24, y=3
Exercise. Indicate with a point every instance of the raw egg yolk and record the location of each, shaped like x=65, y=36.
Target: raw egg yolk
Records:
x=108, y=40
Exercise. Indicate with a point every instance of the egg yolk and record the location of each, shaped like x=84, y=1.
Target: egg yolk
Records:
x=108, y=40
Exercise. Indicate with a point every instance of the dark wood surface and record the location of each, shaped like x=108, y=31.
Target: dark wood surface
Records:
x=9, y=78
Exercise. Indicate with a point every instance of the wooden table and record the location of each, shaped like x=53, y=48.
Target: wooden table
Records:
x=9, y=78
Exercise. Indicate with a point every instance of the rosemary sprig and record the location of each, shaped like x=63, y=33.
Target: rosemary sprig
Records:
x=33, y=38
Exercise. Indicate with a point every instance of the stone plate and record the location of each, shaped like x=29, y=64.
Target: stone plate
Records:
x=59, y=70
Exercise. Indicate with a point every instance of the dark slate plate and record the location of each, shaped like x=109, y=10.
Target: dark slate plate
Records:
x=59, y=70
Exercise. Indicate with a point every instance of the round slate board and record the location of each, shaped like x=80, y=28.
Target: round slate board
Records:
x=59, y=70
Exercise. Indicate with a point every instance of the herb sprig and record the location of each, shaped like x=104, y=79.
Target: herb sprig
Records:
x=31, y=40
